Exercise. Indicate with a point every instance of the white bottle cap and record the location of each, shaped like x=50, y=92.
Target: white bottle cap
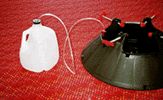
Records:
x=36, y=21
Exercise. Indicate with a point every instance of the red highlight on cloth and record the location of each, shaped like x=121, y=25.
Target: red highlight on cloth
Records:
x=108, y=43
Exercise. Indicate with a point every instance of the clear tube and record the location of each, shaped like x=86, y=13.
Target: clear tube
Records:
x=107, y=18
x=67, y=37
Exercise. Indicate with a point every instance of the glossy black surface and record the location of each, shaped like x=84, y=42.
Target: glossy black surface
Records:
x=136, y=62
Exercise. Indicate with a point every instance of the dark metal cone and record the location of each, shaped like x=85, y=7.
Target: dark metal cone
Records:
x=110, y=65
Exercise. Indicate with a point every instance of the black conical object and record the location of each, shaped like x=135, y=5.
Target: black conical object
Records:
x=134, y=62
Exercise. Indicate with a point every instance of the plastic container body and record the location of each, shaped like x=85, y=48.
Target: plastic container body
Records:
x=40, y=50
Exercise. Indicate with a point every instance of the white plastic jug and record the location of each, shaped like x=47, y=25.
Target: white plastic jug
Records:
x=40, y=50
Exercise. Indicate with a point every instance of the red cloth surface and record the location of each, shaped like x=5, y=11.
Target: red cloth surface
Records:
x=59, y=83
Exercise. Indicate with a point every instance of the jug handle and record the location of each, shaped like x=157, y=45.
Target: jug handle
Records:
x=24, y=42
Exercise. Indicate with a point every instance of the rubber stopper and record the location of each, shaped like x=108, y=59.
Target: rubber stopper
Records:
x=108, y=43
x=142, y=24
x=121, y=24
x=103, y=32
x=150, y=34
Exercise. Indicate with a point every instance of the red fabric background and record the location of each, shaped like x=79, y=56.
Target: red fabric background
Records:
x=59, y=83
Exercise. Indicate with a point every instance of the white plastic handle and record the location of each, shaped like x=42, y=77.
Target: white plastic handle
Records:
x=24, y=42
